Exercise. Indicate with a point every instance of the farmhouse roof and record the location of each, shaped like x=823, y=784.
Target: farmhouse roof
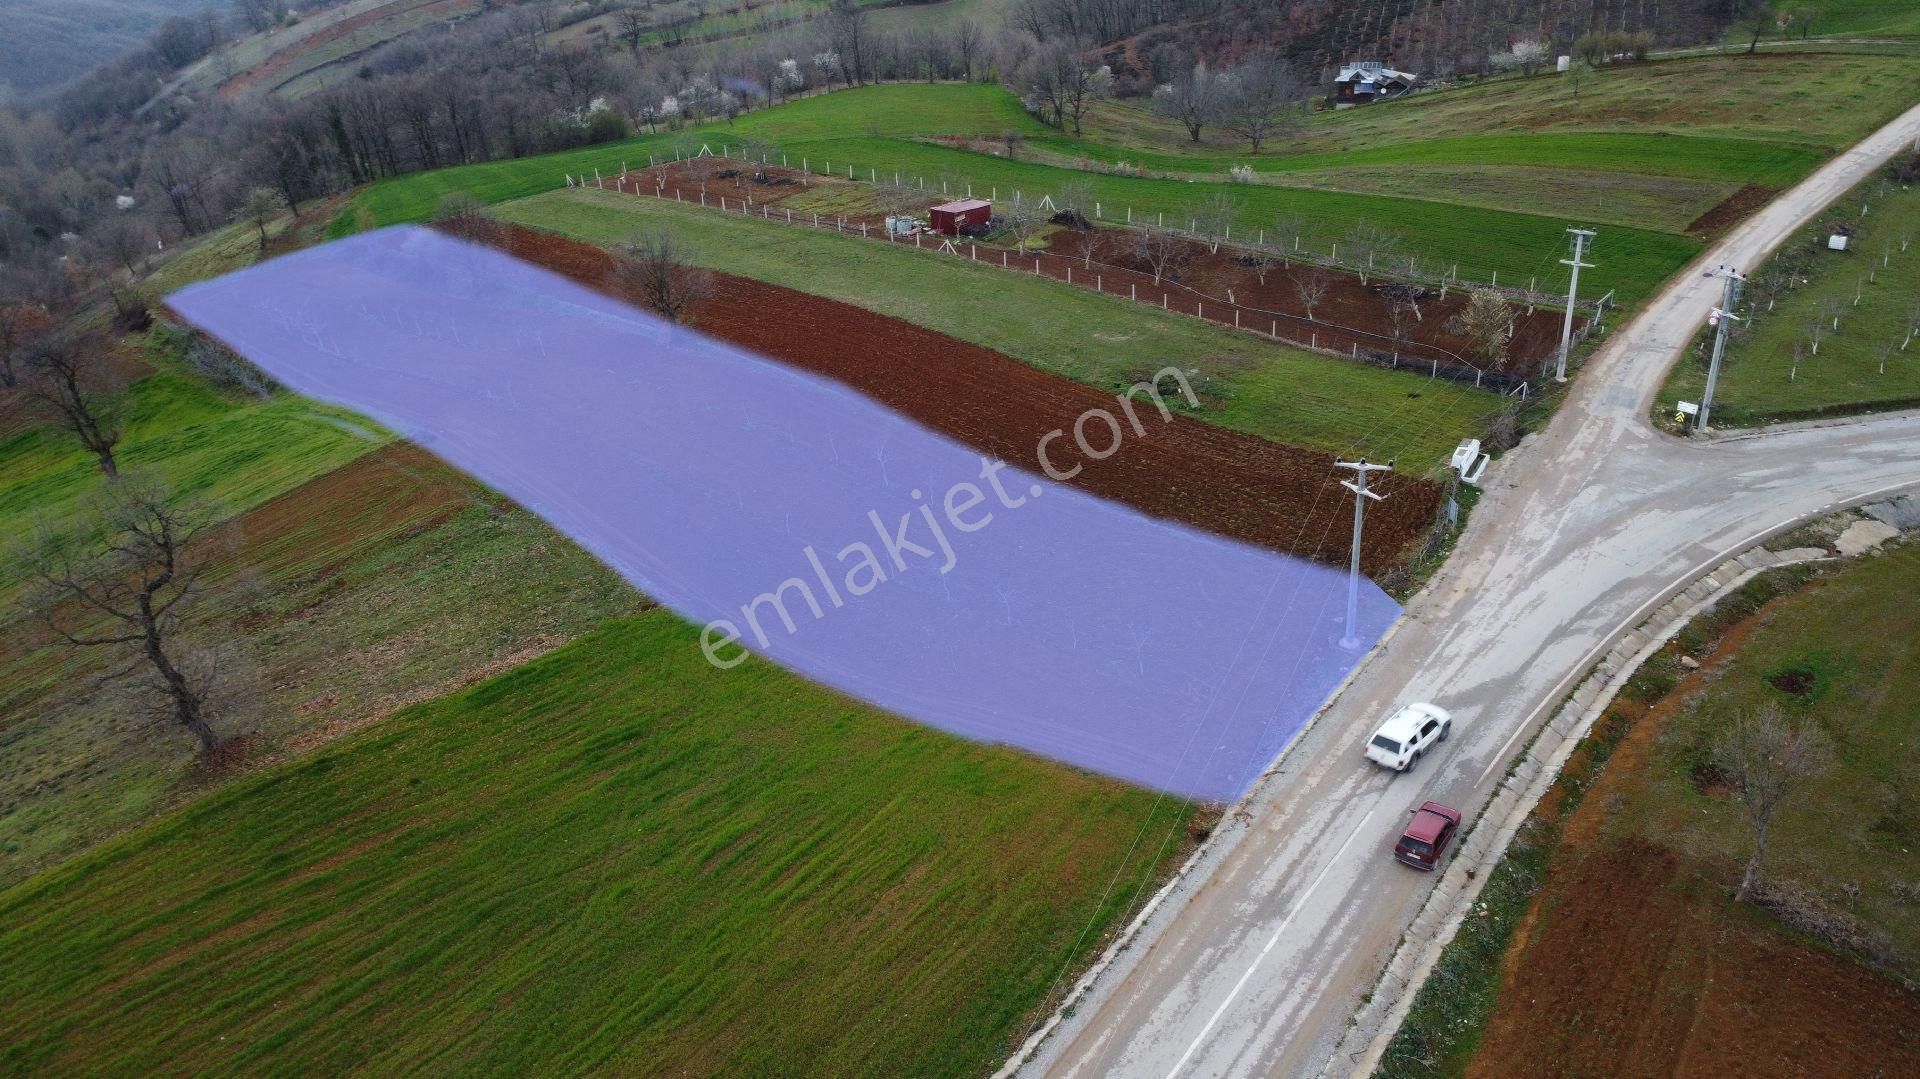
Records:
x=1372, y=71
x=960, y=206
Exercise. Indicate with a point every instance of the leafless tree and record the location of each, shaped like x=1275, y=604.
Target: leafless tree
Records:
x=969, y=41
x=898, y=198
x=1165, y=252
x=1197, y=97
x=1020, y=222
x=1213, y=218
x=22, y=322
x=659, y=269
x=68, y=376
x=1262, y=258
x=1261, y=100
x=633, y=24
x=1366, y=244
x=262, y=205
x=1489, y=325
x=1403, y=313
x=1060, y=82
x=1311, y=285
x=125, y=579
x=1771, y=757
x=845, y=24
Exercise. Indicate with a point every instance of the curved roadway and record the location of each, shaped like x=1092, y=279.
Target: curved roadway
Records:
x=1255, y=966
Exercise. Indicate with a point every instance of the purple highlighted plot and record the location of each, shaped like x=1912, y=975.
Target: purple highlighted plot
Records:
x=827, y=532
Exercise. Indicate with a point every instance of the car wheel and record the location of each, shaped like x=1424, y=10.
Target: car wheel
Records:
x=1445, y=729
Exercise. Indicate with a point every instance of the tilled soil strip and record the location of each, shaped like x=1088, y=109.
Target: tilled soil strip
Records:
x=1280, y=497
x=1350, y=318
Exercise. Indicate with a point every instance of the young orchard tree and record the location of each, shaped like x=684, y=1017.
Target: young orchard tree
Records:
x=657, y=267
x=1166, y=253
x=1403, y=313
x=1311, y=287
x=68, y=375
x=124, y=579
x=1019, y=222
x=1489, y=325
x=1262, y=258
x=1213, y=219
x=1367, y=244
x=1771, y=757
x=1816, y=332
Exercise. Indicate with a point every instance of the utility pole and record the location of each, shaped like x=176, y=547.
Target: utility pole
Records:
x=1580, y=238
x=1730, y=282
x=1361, y=496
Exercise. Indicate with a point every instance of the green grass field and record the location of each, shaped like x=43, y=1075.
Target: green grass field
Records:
x=1878, y=18
x=387, y=580
x=205, y=444
x=1277, y=393
x=613, y=858
x=1857, y=632
x=1771, y=372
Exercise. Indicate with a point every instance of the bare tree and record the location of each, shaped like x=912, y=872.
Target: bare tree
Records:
x=1165, y=252
x=68, y=375
x=1261, y=98
x=1816, y=331
x=1489, y=325
x=1020, y=222
x=969, y=42
x=1060, y=82
x=262, y=205
x=1311, y=286
x=897, y=198
x=1368, y=243
x=1752, y=19
x=126, y=578
x=1262, y=258
x=22, y=322
x=1771, y=757
x=1196, y=98
x=659, y=268
x=1213, y=219
x=633, y=24
x=1403, y=313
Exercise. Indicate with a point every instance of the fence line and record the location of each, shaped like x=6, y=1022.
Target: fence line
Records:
x=1454, y=367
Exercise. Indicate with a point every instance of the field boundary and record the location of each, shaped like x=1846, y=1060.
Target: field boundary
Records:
x=1379, y=351
x=1530, y=776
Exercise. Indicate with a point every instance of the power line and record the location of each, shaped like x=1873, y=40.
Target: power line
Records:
x=1580, y=238
x=1361, y=496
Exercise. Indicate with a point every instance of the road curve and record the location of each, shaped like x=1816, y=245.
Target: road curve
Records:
x=1256, y=964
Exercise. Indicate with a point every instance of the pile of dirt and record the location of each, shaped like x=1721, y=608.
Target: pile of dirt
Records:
x=1236, y=485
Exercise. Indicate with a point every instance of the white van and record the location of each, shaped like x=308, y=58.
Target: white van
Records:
x=1407, y=735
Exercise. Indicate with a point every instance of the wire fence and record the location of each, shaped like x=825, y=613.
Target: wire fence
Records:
x=1300, y=331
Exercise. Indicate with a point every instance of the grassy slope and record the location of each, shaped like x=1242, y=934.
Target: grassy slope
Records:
x=1884, y=18
x=885, y=119
x=389, y=579
x=1277, y=393
x=614, y=857
x=1762, y=381
x=231, y=452
x=1858, y=632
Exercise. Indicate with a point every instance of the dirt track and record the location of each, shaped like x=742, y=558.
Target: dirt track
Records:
x=1236, y=485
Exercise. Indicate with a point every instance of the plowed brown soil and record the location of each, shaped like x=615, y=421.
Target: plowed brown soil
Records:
x=1280, y=497
x=1631, y=961
x=1214, y=285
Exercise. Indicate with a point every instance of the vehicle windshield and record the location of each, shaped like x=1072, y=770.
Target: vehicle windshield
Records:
x=1385, y=743
x=1416, y=847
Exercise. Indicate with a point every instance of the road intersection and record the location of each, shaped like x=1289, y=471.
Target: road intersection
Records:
x=1256, y=962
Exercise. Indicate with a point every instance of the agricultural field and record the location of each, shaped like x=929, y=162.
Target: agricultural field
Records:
x=1279, y=394
x=613, y=857
x=1480, y=242
x=1609, y=934
x=1826, y=332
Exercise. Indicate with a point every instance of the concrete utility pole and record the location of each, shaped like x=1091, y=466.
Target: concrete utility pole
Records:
x=1361, y=496
x=1730, y=282
x=1580, y=238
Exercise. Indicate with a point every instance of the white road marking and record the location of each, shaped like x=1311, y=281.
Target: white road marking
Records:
x=1271, y=941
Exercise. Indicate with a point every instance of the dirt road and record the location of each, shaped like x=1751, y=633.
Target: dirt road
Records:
x=1256, y=966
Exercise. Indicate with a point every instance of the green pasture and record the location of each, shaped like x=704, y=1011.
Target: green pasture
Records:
x=614, y=858
x=1277, y=393
x=1772, y=372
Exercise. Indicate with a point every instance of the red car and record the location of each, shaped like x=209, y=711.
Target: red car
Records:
x=1433, y=826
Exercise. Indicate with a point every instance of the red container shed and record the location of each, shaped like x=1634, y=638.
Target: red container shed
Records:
x=951, y=217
